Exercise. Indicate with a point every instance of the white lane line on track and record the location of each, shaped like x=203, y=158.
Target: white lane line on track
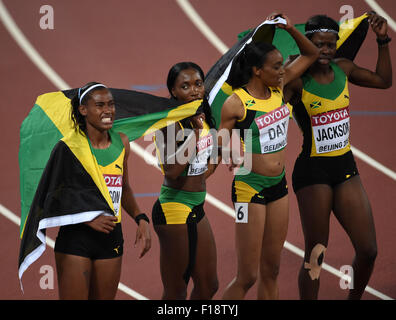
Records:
x=377, y=8
x=202, y=26
x=210, y=35
x=58, y=82
x=36, y=58
x=374, y=163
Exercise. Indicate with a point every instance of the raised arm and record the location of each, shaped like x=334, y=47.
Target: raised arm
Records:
x=309, y=52
x=382, y=77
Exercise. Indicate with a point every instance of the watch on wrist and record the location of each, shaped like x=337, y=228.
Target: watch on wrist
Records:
x=141, y=216
x=382, y=42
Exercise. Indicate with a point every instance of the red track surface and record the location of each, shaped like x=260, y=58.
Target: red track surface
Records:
x=125, y=43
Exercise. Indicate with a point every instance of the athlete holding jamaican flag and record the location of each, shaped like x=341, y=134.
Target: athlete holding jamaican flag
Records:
x=49, y=120
x=325, y=176
x=85, y=178
x=82, y=189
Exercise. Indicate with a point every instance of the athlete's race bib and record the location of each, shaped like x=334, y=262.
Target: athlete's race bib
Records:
x=331, y=130
x=273, y=129
x=241, y=212
x=114, y=184
x=199, y=165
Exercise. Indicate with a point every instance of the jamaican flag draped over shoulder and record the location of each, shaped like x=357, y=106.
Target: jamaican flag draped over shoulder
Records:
x=352, y=34
x=60, y=181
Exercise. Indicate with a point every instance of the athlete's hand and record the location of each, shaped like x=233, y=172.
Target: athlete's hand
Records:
x=103, y=223
x=197, y=121
x=197, y=124
x=379, y=25
x=235, y=163
x=143, y=236
x=275, y=15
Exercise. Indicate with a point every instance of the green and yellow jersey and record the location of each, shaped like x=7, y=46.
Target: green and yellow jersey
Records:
x=111, y=164
x=267, y=119
x=323, y=115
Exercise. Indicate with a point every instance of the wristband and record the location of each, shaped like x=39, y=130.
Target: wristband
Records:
x=141, y=216
x=382, y=42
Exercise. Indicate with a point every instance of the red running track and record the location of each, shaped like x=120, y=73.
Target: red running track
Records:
x=129, y=43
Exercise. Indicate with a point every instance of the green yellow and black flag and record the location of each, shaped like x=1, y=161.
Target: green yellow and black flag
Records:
x=71, y=190
x=352, y=34
x=60, y=181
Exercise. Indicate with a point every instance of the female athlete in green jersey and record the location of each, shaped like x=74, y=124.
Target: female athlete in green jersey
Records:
x=325, y=177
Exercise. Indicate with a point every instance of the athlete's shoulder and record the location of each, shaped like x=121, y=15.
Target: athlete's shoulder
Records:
x=233, y=106
x=235, y=98
x=124, y=139
x=123, y=136
x=345, y=65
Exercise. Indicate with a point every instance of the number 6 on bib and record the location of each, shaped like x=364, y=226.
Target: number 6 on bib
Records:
x=241, y=212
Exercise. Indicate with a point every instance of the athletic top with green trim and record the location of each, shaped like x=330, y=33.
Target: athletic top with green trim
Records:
x=268, y=121
x=111, y=164
x=323, y=115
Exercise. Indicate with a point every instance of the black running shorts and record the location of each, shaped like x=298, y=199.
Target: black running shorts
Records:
x=323, y=170
x=81, y=240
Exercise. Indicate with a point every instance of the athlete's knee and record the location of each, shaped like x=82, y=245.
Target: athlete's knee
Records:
x=367, y=253
x=175, y=292
x=247, y=280
x=269, y=270
x=205, y=290
x=174, y=295
x=313, y=261
x=213, y=287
